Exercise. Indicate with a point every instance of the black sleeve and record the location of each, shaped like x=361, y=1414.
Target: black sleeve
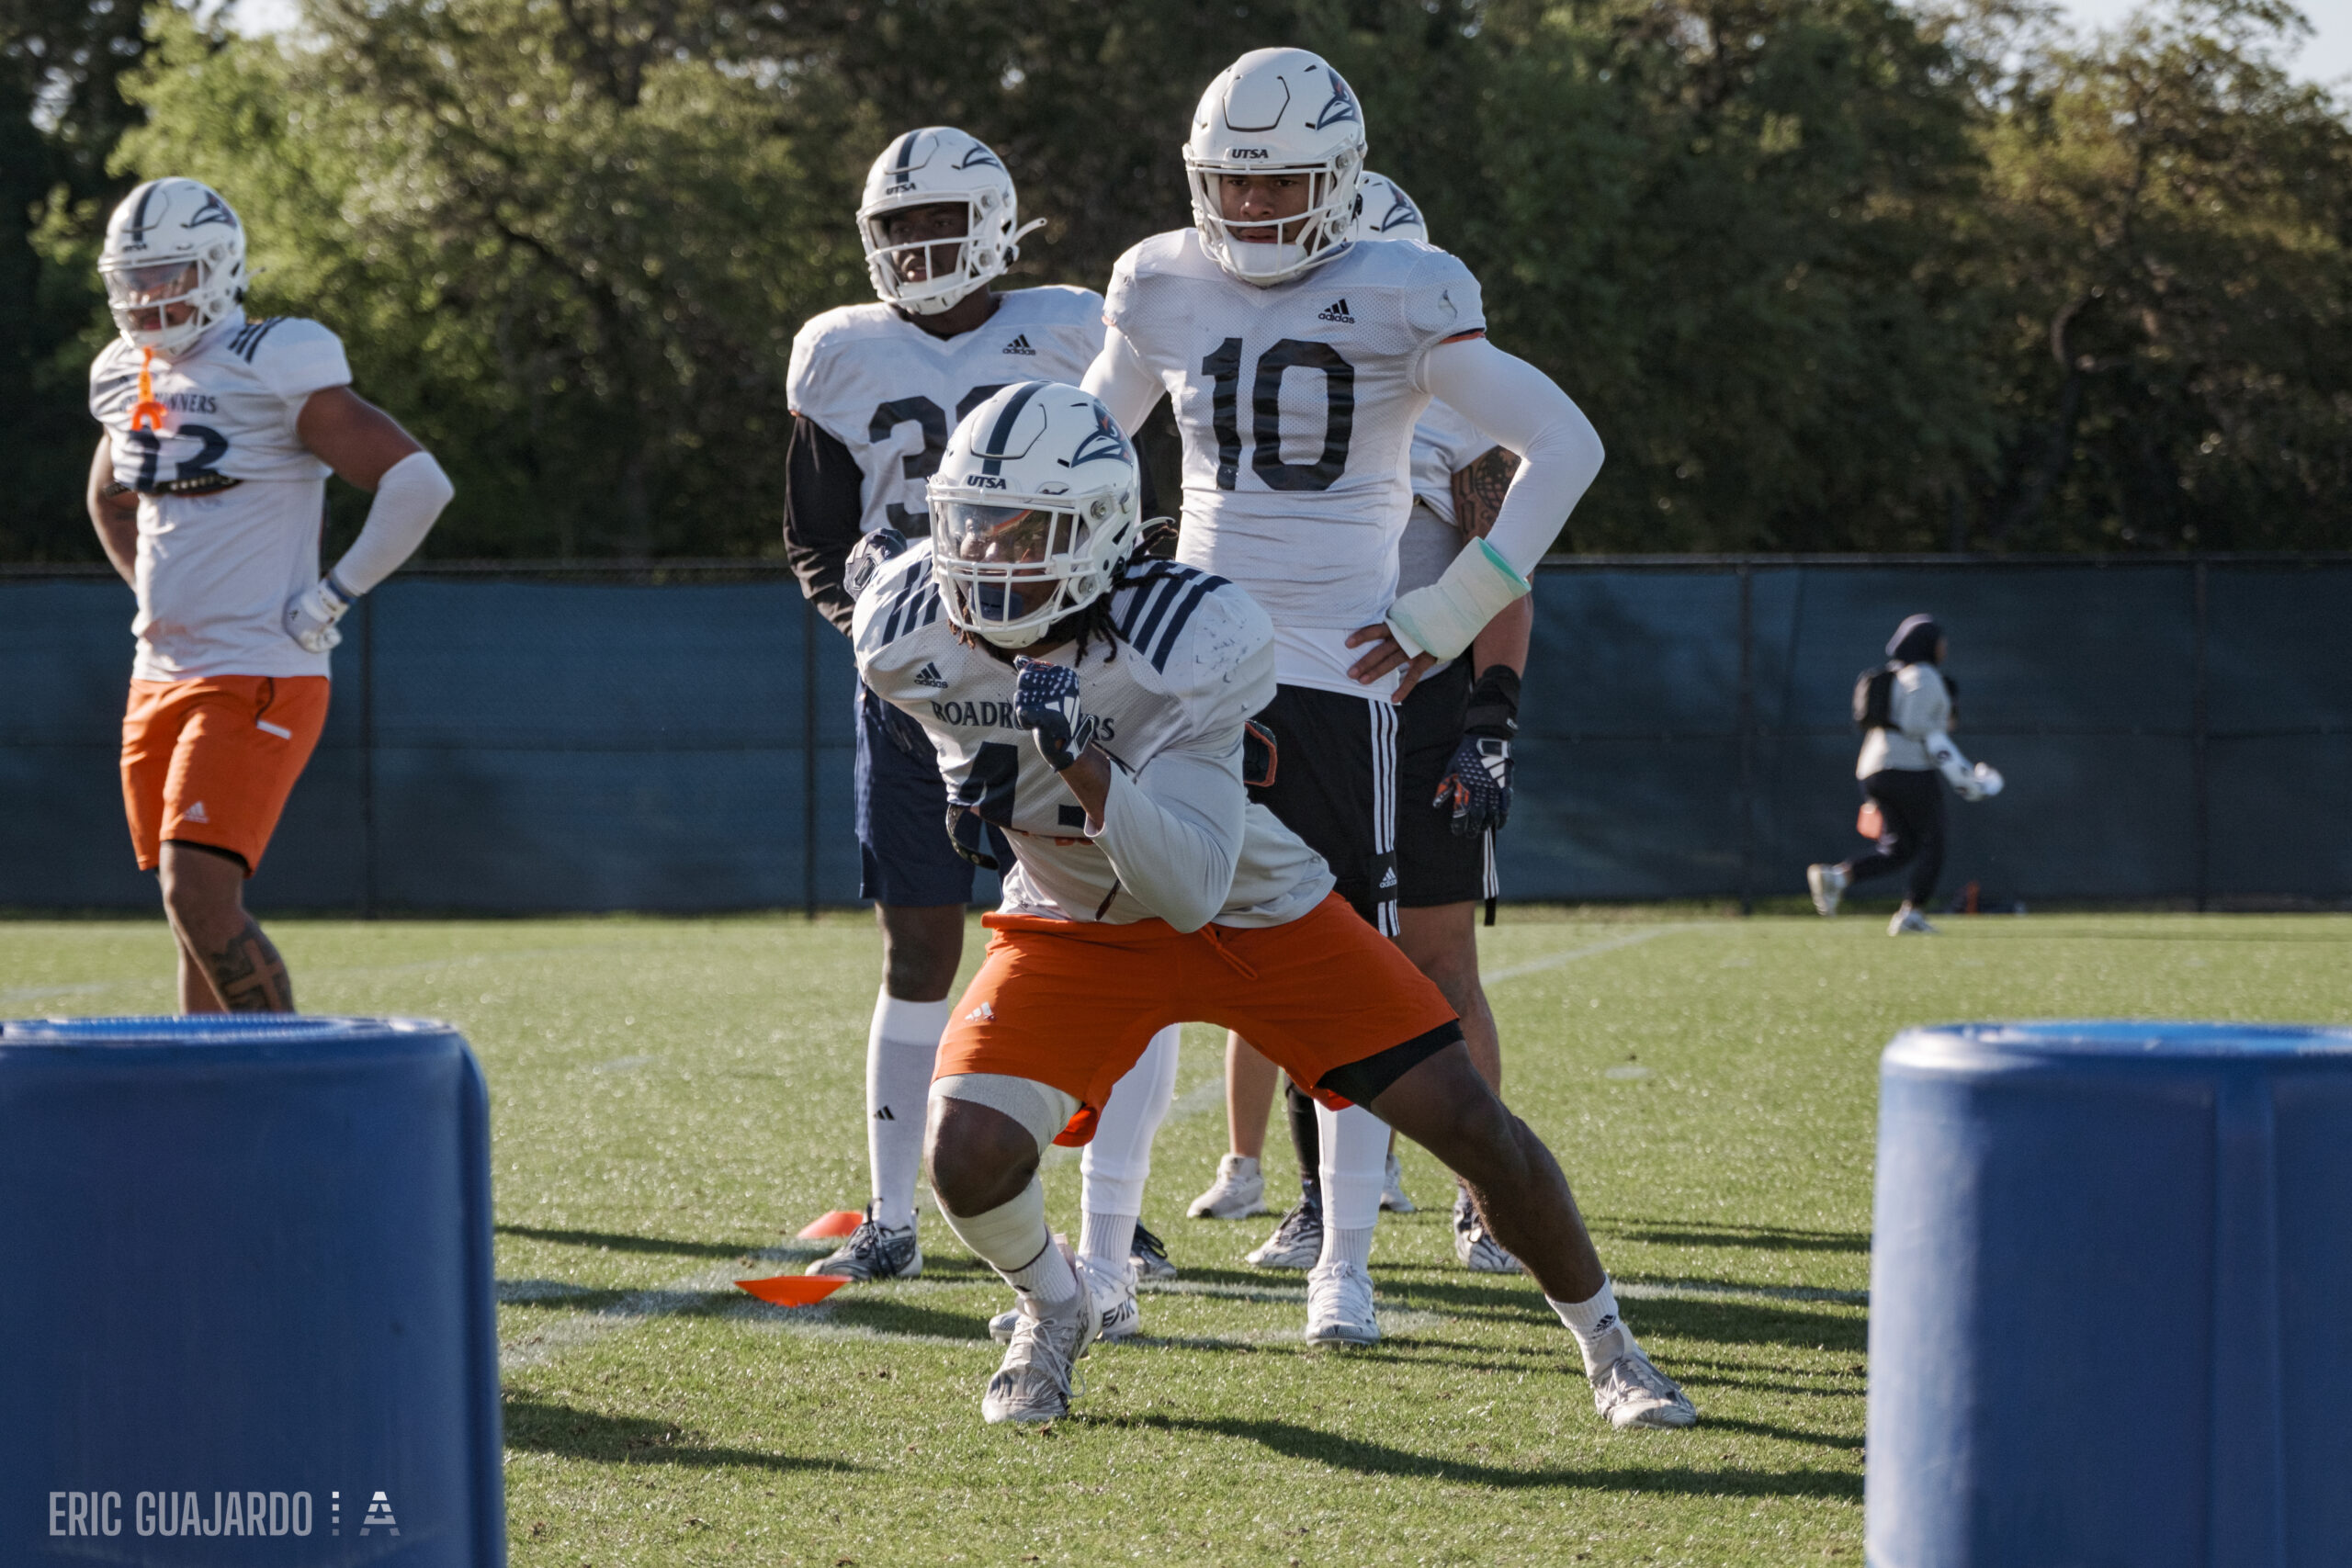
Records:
x=1150, y=497
x=824, y=509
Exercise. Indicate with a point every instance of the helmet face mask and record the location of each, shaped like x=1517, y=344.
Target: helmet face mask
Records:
x=1276, y=112
x=1033, y=509
x=937, y=167
x=174, y=264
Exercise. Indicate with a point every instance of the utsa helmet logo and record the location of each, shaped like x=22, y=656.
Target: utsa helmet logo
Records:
x=977, y=157
x=1104, y=440
x=1340, y=109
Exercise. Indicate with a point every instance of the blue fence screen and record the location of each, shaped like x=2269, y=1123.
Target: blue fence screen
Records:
x=2177, y=728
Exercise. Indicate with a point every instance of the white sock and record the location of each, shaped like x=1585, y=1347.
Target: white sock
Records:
x=1352, y=1245
x=1107, y=1238
x=1602, y=1334
x=1011, y=1238
x=1117, y=1163
x=902, y=1049
x=1354, y=1160
x=1048, y=1278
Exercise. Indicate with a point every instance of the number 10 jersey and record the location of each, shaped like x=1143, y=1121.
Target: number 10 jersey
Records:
x=1297, y=404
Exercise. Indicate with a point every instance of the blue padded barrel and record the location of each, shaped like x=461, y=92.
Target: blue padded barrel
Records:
x=245, y=1270
x=2112, y=1298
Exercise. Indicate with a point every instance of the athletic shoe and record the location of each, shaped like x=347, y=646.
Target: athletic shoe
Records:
x=1907, y=918
x=1339, y=1305
x=1392, y=1188
x=1631, y=1393
x=1474, y=1245
x=1149, y=1256
x=873, y=1252
x=1296, y=1243
x=1034, y=1380
x=1116, y=1313
x=1828, y=884
x=1238, y=1192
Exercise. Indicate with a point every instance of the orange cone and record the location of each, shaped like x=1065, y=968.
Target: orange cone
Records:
x=793, y=1290
x=824, y=1227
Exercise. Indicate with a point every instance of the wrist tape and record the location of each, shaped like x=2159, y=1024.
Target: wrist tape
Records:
x=1446, y=616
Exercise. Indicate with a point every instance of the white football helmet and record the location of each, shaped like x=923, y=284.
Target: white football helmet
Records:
x=935, y=164
x=1386, y=213
x=1037, y=503
x=173, y=241
x=1277, y=111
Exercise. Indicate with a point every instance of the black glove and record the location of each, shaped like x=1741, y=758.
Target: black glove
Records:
x=1476, y=787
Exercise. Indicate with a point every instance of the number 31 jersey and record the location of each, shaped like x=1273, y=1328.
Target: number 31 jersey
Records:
x=218, y=562
x=892, y=393
x=1297, y=404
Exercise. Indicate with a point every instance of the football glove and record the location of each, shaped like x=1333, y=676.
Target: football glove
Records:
x=869, y=556
x=1476, y=787
x=1044, y=703
x=310, y=617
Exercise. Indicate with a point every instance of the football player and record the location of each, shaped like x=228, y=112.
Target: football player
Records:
x=1298, y=360
x=874, y=389
x=1091, y=703
x=1454, y=740
x=207, y=489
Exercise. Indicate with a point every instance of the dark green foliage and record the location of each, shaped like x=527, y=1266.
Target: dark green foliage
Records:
x=1828, y=273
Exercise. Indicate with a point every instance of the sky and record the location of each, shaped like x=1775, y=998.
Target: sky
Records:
x=2327, y=57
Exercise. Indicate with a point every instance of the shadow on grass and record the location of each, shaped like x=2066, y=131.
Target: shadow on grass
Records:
x=539, y=1427
x=1774, y=1238
x=618, y=1243
x=879, y=1314
x=1354, y=1454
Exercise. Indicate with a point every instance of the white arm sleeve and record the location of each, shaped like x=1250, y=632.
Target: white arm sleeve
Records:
x=1948, y=761
x=1123, y=382
x=1173, y=833
x=1520, y=408
x=408, y=499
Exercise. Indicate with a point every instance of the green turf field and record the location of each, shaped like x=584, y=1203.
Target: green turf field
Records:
x=672, y=1098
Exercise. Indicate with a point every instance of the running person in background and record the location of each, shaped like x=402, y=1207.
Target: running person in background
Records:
x=1900, y=756
x=207, y=490
x=1149, y=886
x=874, y=391
x=1453, y=740
x=1298, y=360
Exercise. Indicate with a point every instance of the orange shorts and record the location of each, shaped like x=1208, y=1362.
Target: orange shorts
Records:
x=212, y=761
x=1073, y=1005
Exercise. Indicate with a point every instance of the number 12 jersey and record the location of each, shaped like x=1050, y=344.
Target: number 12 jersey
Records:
x=1297, y=404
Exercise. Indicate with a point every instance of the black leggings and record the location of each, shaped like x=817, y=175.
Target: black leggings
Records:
x=1913, y=807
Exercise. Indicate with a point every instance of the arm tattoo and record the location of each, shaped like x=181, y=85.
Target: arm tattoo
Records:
x=248, y=975
x=1478, y=492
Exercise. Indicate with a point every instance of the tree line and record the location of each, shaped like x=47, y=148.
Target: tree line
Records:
x=1828, y=275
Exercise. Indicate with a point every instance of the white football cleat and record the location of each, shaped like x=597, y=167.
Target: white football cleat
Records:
x=1631, y=1393
x=1035, y=1382
x=1393, y=1196
x=1296, y=1243
x=1907, y=918
x=1828, y=884
x=1339, y=1305
x=1238, y=1191
x=1117, y=1315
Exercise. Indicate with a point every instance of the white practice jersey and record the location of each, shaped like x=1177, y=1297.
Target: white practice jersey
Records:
x=216, y=568
x=1297, y=404
x=892, y=393
x=1193, y=661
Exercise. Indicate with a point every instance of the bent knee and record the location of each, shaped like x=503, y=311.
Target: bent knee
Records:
x=979, y=1157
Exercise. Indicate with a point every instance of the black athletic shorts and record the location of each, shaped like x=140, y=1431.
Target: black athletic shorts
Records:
x=1435, y=864
x=1335, y=786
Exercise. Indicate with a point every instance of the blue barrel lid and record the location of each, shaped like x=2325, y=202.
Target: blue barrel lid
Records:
x=212, y=1029
x=2164, y=1040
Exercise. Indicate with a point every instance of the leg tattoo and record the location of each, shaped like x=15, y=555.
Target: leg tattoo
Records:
x=248, y=975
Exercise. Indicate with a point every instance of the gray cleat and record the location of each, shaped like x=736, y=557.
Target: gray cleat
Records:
x=872, y=1252
x=1296, y=1243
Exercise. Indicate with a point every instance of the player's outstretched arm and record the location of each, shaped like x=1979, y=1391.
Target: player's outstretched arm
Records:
x=114, y=512
x=1123, y=381
x=366, y=446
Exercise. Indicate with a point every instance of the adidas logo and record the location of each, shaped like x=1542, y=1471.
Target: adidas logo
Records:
x=1020, y=346
x=929, y=675
x=195, y=814
x=884, y=1115
x=1388, y=877
x=1337, y=312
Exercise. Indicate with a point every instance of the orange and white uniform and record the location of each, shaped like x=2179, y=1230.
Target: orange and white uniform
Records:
x=225, y=707
x=1188, y=900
